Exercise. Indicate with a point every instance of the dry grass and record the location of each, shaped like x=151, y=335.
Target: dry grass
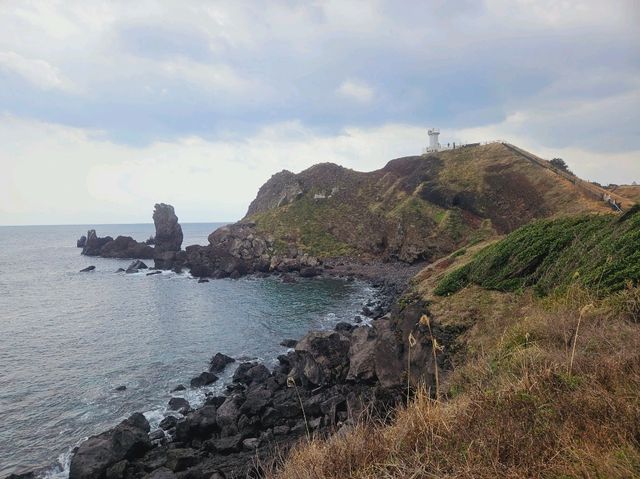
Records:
x=513, y=407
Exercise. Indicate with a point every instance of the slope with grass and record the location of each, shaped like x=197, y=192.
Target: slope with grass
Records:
x=535, y=386
x=599, y=252
x=415, y=208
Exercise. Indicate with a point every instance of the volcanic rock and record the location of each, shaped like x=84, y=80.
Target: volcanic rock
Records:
x=168, y=238
x=203, y=379
x=127, y=440
x=87, y=269
x=93, y=245
x=219, y=362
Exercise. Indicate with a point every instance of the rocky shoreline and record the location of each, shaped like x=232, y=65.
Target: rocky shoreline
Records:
x=324, y=383
x=321, y=385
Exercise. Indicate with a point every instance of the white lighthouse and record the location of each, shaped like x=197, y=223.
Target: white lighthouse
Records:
x=433, y=139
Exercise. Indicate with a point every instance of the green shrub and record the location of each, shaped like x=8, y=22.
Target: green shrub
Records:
x=600, y=252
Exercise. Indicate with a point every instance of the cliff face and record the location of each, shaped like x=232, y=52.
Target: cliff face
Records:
x=415, y=208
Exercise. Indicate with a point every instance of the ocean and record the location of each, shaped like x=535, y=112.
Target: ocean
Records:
x=69, y=339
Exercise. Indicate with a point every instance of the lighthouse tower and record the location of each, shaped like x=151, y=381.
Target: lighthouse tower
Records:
x=433, y=139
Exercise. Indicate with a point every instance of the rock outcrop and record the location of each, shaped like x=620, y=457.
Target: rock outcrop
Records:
x=102, y=455
x=122, y=247
x=239, y=249
x=168, y=237
x=126, y=247
x=94, y=244
x=324, y=384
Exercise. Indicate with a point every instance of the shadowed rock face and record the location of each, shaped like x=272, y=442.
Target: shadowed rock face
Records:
x=121, y=247
x=168, y=239
x=93, y=244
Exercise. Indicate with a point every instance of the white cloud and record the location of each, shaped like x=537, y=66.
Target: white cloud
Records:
x=356, y=90
x=37, y=72
x=57, y=174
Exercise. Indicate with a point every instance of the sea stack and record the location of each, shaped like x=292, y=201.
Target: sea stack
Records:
x=168, y=239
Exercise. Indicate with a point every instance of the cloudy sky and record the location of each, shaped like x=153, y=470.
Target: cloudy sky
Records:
x=107, y=107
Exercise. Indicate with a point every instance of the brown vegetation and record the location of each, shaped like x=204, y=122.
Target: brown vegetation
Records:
x=518, y=402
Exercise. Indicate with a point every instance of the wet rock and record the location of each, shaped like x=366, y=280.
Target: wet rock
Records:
x=120, y=270
x=219, y=362
x=178, y=404
x=135, y=266
x=288, y=343
x=203, y=379
x=87, y=269
x=203, y=280
x=82, y=241
x=154, y=273
x=127, y=440
x=168, y=423
x=121, y=388
x=287, y=278
x=179, y=387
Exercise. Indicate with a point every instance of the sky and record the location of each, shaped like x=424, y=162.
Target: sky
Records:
x=108, y=107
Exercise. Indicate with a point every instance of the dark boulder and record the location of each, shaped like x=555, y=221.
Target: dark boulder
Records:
x=178, y=404
x=309, y=272
x=256, y=401
x=203, y=379
x=288, y=343
x=121, y=388
x=179, y=387
x=81, y=241
x=87, y=269
x=168, y=423
x=321, y=357
x=199, y=424
x=202, y=280
x=128, y=440
x=219, y=362
x=135, y=266
x=228, y=415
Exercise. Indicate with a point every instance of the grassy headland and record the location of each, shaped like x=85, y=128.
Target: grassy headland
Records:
x=541, y=385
